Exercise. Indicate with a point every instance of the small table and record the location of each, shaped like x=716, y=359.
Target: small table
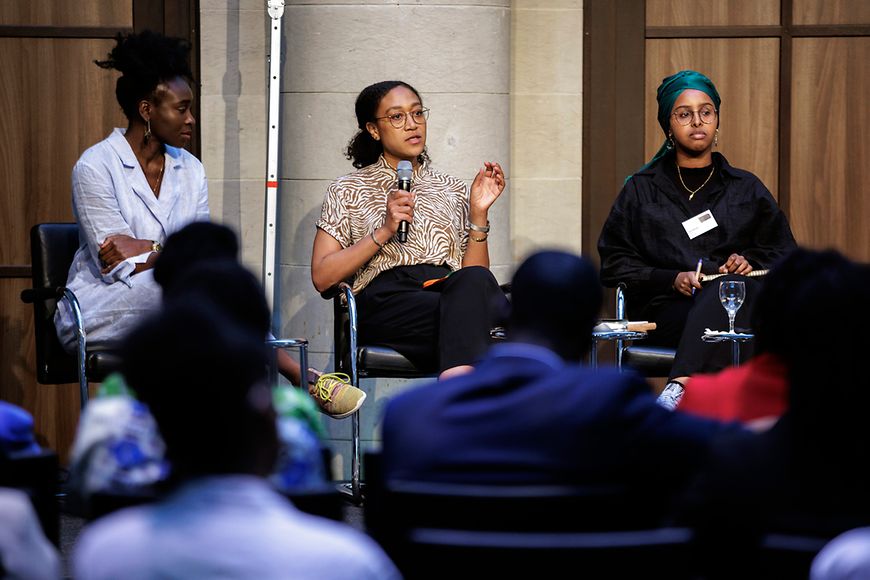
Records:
x=302, y=345
x=612, y=335
x=734, y=337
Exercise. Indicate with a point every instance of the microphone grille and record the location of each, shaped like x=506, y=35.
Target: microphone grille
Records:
x=404, y=169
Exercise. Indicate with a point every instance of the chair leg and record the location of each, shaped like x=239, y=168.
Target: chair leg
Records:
x=82, y=338
x=355, y=459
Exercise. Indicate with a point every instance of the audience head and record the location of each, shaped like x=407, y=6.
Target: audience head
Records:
x=781, y=315
x=363, y=149
x=196, y=242
x=228, y=286
x=812, y=312
x=154, y=71
x=555, y=301
x=204, y=378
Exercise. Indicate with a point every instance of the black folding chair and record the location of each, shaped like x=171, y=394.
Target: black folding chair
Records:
x=52, y=249
x=437, y=530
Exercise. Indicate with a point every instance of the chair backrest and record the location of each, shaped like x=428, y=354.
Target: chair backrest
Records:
x=434, y=530
x=52, y=249
x=36, y=475
x=654, y=553
x=430, y=528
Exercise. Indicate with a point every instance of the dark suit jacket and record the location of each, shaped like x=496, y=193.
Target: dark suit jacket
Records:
x=524, y=417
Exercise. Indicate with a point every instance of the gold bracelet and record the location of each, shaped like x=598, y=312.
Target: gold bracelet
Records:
x=483, y=239
x=375, y=240
x=477, y=228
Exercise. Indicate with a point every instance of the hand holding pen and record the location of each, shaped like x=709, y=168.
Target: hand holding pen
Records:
x=697, y=283
x=687, y=282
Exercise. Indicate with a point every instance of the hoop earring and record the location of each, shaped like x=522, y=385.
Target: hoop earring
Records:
x=147, y=129
x=716, y=138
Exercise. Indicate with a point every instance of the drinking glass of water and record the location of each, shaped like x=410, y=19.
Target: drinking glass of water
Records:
x=732, y=293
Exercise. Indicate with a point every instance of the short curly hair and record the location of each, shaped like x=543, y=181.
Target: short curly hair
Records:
x=145, y=60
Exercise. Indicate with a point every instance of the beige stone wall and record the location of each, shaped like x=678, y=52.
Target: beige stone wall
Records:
x=546, y=124
x=502, y=80
x=234, y=41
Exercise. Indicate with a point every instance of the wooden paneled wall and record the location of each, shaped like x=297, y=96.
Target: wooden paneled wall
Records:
x=55, y=103
x=793, y=77
x=830, y=147
x=80, y=13
x=712, y=12
x=745, y=72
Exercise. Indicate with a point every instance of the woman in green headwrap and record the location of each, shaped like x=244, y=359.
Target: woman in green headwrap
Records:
x=689, y=205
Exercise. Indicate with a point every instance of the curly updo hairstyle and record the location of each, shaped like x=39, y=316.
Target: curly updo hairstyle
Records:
x=363, y=150
x=145, y=60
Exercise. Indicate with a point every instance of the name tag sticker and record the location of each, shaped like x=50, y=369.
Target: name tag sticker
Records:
x=701, y=223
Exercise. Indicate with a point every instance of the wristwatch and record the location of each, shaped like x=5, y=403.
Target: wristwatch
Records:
x=156, y=246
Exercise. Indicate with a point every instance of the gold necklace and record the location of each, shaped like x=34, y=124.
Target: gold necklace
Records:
x=160, y=177
x=692, y=193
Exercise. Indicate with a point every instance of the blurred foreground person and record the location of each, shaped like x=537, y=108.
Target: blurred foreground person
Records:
x=204, y=376
x=531, y=414
x=806, y=474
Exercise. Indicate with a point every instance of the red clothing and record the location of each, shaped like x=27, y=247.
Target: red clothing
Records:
x=757, y=389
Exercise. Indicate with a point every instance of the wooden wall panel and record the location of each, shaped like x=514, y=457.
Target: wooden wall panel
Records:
x=746, y=74
x=54, y=408
x=830, y=149
x=108, y=13
x=712, y=12
x=831, y=11
x=49, y=119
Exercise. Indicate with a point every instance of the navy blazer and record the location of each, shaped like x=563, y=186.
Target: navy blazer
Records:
x=525, y=417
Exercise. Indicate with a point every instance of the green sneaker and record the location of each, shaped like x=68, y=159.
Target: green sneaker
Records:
x=334, y=394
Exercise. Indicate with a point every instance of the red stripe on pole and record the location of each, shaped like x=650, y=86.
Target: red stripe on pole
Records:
x=272, y=184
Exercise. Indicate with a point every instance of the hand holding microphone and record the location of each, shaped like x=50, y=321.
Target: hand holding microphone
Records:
x=405, y=171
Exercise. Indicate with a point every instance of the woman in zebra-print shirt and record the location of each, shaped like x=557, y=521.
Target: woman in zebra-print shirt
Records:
x=432, y=298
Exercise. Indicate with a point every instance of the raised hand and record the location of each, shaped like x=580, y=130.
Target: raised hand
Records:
x=486, y=187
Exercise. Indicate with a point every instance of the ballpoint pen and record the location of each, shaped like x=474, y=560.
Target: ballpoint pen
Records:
x=698, y=272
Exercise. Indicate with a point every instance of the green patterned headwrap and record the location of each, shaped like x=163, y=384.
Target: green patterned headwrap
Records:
x=667, y=95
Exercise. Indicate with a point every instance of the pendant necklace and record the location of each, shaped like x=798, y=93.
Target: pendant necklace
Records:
x=691, y=192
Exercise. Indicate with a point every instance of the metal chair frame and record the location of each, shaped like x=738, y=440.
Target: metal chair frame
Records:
x=57, y=293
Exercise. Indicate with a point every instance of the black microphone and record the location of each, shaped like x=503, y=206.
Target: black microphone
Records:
x=405, y=172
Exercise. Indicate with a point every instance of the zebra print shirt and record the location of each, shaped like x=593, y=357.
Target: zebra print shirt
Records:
x=355, y=205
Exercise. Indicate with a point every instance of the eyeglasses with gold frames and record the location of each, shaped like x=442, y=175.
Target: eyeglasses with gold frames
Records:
x=400, y=118
x=685, y=115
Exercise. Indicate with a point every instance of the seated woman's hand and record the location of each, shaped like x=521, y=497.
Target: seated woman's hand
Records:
x=685, y=282
x=400, y=207
x=736, y=264
x=118, y=247
x=486, y=187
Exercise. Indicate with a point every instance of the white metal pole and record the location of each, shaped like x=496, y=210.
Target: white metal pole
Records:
x=276, y=12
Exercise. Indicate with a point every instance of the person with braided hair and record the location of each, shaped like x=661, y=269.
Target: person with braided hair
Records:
x=133, y=189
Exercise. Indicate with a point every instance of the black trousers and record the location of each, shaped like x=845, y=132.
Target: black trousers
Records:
x=681, y=320
x=436, y=328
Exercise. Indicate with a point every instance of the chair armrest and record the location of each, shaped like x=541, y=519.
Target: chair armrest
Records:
x=31, y=295
x=620, y=300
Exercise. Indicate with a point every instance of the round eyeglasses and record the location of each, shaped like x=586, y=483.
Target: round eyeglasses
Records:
x=685, y=115
x=400, y=119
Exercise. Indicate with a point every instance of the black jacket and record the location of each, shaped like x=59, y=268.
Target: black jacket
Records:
x=643, y=242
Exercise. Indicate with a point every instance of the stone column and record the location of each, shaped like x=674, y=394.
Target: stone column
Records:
x=234, y=42
x=546, y=125
x=457, y=54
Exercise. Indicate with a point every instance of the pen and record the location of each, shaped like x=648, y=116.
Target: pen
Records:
x=698, y=272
